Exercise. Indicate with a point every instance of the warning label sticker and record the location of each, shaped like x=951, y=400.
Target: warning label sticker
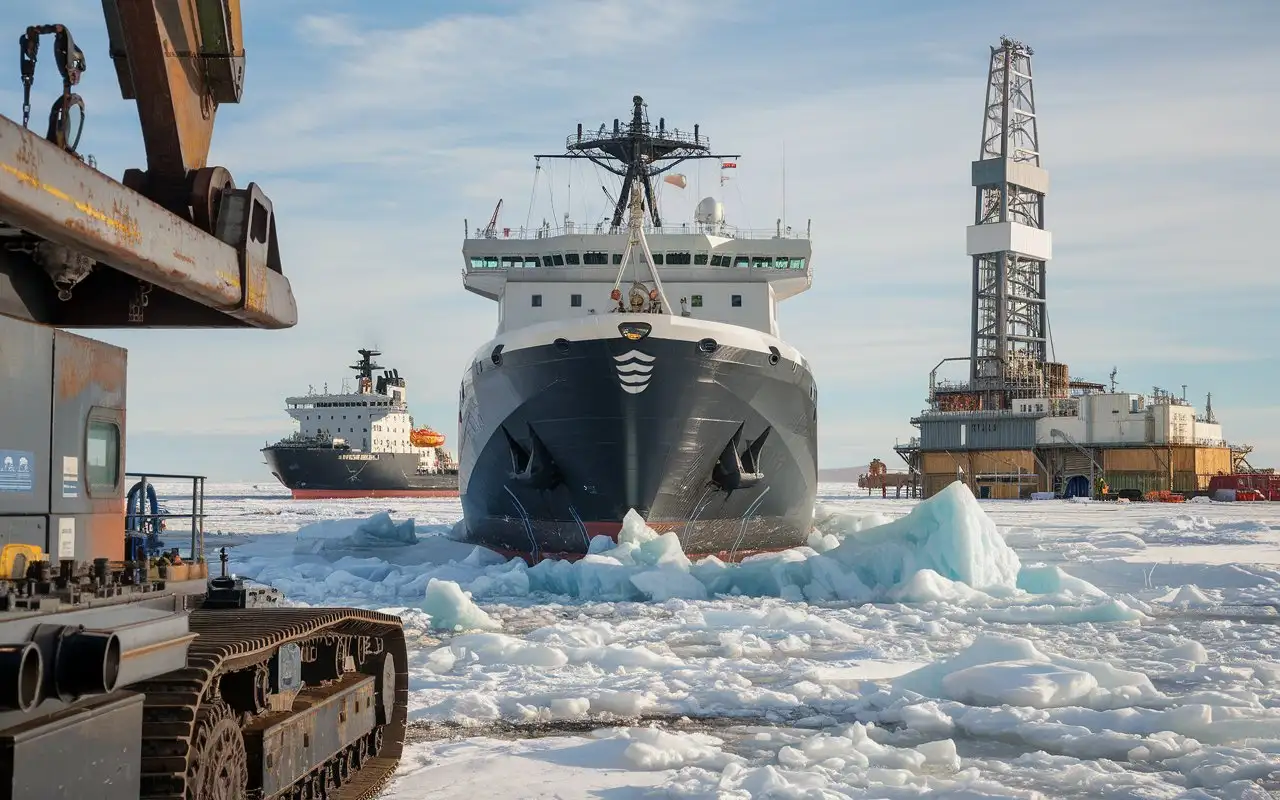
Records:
x=17, y=471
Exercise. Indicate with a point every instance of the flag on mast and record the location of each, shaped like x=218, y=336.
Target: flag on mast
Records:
x=726, y=165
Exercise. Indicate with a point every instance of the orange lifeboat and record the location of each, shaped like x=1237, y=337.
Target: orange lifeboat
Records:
x=425, y=437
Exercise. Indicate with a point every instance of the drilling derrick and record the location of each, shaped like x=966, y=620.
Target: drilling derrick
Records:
x=1009, y=244
x=1018, y=424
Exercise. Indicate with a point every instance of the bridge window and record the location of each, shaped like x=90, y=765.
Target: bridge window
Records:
x=102, y=455
x=511, y=262
x=696, y=301
x=558, y=259
x=617, y=259
x=736, y=301
x=700, y=259
x=530, y=262
x=657, y=259
x=595, y=258
x=679, y=259
x=571, y=258
x=575, y=300
x=546, y=261
x=536, y=301
x=742, y=261
x=760, y=262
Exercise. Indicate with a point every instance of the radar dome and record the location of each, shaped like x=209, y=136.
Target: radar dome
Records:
x=709, y=212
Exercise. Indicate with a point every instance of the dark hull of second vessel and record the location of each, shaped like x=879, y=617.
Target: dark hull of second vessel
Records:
x=598, y=449
x=316, y=473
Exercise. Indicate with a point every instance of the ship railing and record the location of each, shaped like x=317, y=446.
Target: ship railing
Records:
x=147, y=520
x=589, y=138
x=985, y=413
x=604, y=229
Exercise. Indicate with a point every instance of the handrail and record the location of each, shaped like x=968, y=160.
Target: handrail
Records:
x=196, y=515
x=722, y=230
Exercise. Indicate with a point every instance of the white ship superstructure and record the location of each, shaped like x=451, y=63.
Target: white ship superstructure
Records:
x=709, y=270
x=373, y=419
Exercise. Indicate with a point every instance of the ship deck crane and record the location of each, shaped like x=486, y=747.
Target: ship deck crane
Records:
x=115, y=681
x=491, y=230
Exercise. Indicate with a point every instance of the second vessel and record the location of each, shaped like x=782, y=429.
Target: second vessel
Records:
x=361, y=443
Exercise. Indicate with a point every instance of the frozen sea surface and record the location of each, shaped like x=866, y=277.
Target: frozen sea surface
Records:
x=950, y=648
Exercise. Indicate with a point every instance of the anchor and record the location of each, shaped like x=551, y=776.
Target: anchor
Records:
x=533, y=467
x=739, y=471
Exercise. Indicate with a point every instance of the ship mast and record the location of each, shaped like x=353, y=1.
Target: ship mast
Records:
x=635, y=236
x=637, y=153
x=365, y=369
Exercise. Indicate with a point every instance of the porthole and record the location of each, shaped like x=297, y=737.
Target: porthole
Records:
x=708, y=345
x=562, y=345
x=774, y=355
x=496, y=356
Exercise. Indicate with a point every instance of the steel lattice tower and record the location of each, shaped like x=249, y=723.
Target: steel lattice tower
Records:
x=1008, y=242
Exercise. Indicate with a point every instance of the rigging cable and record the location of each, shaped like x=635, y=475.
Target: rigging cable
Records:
x=551, y=193
x=1048, y=329
x=529, y=214
x=746, y=217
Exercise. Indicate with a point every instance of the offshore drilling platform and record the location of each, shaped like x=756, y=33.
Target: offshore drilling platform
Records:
x=1019, y=424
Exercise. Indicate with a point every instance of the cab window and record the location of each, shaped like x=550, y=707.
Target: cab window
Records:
x=102, y=455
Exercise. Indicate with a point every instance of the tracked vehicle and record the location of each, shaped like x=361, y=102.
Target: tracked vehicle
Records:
x=118, y=679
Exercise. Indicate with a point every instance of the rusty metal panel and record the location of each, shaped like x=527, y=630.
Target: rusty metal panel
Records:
x=247, y=222
x=55, y=196
x=221, y=48
x=161, y=44
x=26, y=382
x=338, y=715
x=87, y=480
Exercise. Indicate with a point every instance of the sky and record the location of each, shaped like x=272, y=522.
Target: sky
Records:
x=377, y=128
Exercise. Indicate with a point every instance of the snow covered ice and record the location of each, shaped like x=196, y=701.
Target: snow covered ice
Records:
x=944, y=648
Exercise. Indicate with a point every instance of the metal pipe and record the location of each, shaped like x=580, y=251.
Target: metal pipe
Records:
x=201, y=528
x=21, y=674
x=195, y=482
x=88, y=662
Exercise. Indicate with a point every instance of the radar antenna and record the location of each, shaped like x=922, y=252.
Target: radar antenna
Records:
x=365, y=368
x=637, y=153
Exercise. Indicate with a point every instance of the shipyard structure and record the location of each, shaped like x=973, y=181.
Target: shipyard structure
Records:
x=1018, y=423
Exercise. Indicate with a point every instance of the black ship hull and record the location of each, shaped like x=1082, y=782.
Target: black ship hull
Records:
x=316, y=473
x=576, y=424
